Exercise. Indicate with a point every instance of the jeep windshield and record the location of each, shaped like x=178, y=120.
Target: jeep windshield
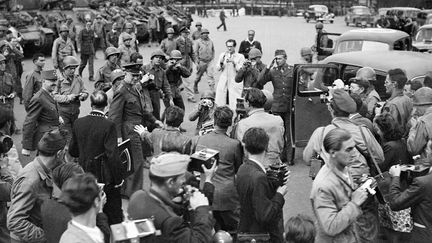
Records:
x=361, y=45
x=361, y=11
x=424, y=35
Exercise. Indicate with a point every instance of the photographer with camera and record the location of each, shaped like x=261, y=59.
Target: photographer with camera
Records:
x=175, y=71
x=257, y=117
x=335, y=201
x=69, y=93
x=260, y=204
x=168, y=176
x=252, y=67
x=204, y=111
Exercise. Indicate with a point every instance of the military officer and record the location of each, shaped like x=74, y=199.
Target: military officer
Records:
x=62, y=47
x=69, y=93
x=7, y=86
x=103, y=80
x=42, y=115
x=167, y=176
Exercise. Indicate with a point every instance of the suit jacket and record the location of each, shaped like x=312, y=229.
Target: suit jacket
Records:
x=230, y=158
x=246, y=46
x=93, y=135
x=260, y=206
x=418, y=196
x=42, y=116
x=73, y=234
x=173, y=227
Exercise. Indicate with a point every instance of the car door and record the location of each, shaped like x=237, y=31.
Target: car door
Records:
x=309, y=108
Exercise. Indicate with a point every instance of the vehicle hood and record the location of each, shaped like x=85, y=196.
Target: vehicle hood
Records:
x=421, y=45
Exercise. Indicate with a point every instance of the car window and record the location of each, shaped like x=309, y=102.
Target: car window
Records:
x=419, y=78
x=424, y=34
x=401, y=45
x=360, y=45
x=360, y=11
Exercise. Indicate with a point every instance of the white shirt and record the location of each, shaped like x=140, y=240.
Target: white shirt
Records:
x=94, y=233
x=259, y=164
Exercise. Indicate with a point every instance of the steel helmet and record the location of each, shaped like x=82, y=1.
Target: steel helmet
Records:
x=205, y=31
x=111, y=51
x=306, y=51
x=319, y=25
x=222, y=237
x=366, y=73
x=126, y=37
x=422, y=96
x=157, y=52
x=254, y=53
x=2, y=58
x=175, y=54
x=128, y=25
x=170, y=31
x=64, y=28
x=70, y=61
x=116, y=74
x=198, y=24
x=208, y=94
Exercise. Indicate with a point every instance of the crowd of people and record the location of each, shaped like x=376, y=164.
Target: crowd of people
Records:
x=78, y=185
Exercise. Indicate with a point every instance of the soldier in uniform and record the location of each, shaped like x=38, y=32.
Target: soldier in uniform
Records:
x=42, y=114
x=185, y=46
x=167, y=174
x=197, y=33
x=86, y=39
x=112, y=38
x=126, y=49
x=159, y=85
x=129, y=30
x=62, y=47
x=204, y=55
x=174, y=73
x=72, y=29
x=249, y=72
x=169, y=44
x=11, y=53
x=7, y=89
x=103, y=80
x=99, y=30
x=69, y=93
x=33, y=80
x=127, y=110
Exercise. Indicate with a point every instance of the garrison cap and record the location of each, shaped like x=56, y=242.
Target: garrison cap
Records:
x=49, y=75
x=343, y=101
x=169, y=164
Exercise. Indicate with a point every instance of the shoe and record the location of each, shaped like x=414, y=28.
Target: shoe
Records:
x=192, y=99
x=196, y=88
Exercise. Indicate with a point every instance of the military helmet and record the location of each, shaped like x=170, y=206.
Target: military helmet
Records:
x=126, y=37
x=111, y=51
x=422, y=96
x=208, y=94
x=222, y=236
x=64, y=28
x=170, y=31
x=117, y=73
x=128, y=25
x=366, y=73
x=319, y=25
x=157, y=52
x=254, y=53
x=306, y=51
x=205, y=31
x=70, y=61
x=198, y=24
x=175, y=54
x=2, y=58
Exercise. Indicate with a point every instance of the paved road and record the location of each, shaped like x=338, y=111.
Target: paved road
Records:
x=274, y=33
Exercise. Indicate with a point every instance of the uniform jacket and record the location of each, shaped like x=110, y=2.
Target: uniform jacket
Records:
x=420, y=134
x=230, y=158
x=7, y=87
x=274, y=127
x=98, y=28
x=360, y=120
x=196, y=35
x=6, y=181
x=153, y=23
x=61, y=49
x=32, y=85
x=30, y=189
x=93, y=135
x=133, y=42
x=260, y=206
x=418, y=196
x=15, y=55
x=112, y=38
x=246, y=46
x=168, y=45
x=169, y=139
x=42, y=116
x=73, y=234
x=160, y=79
x=249, y=76
x=173, y=227
x=174, y=76
x=282, y=80
x=371, y=98
x=203, y=116
x=103, y=79
x=331, y=202
x=185, y=46
x=128, y=109
x=86, y=40
x=125, y=53
x=204, y=50
x=66, y=87
x=400, y=107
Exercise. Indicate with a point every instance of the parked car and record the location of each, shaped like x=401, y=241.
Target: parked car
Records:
x=309, y=110
x=405, y=12
x=422, y=16
x=319, y=13
x=372, y=39
x=359, y=16
x=300, y=13
x=428, y=19
x=423, y=40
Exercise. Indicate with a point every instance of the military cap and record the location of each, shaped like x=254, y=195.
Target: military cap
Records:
x=422, y=96
x=208, y=94
x=343, y=101
x=169, y=164
x=198, y=24
x=117, y=73
x=205, y=31
x=157, y=52
x=49, y=75
x=170, y=31
x=254, y=53
x=306, y=51
x=280, y=52
x=52, y=141
x=184, y=29
x=98, y=16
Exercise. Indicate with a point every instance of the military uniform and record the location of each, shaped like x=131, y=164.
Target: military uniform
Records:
x=133, y=41
x=32, y=85
x=86, y=39
x=61, y=49
x=125, y=53
x=169, y=139
x=112, y=39
x=127, y=110
x=168, y=45
x=174, y=76
x=103, y=80
x=400, y=107
x=185, y=46
x=7, y=87
x=160, y=85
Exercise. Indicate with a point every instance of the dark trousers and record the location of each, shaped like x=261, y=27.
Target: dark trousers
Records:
x=84, y=59
x=69, y=118
x=99, y=42
x=113, y=206
x=287, y=154
x=226, y=220
x=155, y=99
x=153, y=35
x=222, y=24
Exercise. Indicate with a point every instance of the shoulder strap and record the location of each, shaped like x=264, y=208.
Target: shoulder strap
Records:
x=370, y=153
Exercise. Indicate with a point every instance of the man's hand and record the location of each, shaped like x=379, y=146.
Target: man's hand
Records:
x=83, y=96
x=359, y=196
x=140, y=129
x=209, y=173
x=62, y=122
x=395, y=170
x=159, y=123
x=198, y=199
x=11, y=96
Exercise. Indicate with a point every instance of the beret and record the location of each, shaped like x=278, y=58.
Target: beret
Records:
x=169, y=164
x=343, y=101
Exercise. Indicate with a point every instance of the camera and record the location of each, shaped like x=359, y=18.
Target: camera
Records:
x=206, y=103
x=240, y=108
x=247, y=63
x=276, y=174
x=206, y=157
x=369, y=184
x=133, y=229
x=206, y=128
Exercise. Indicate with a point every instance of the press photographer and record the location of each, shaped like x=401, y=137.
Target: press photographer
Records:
x=249, y=72
x=168, y=176
x=204, y=112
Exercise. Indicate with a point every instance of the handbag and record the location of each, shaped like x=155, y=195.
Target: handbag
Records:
x=252, y=237
x=317, y=162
